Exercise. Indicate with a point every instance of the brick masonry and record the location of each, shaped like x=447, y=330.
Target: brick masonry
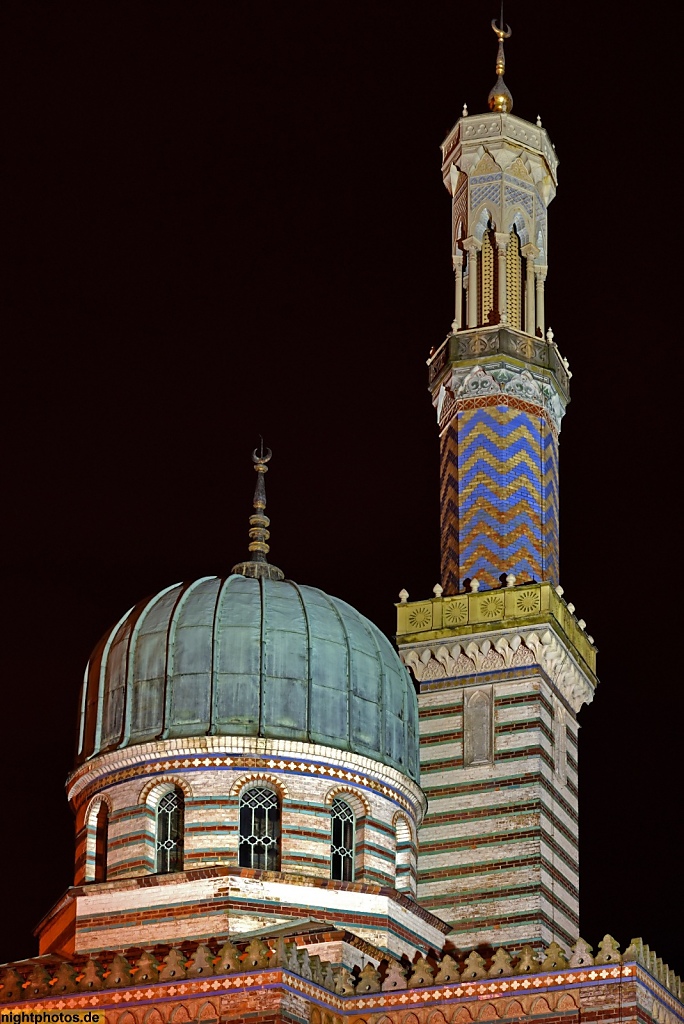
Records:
x=213, y=894
x=499, y=846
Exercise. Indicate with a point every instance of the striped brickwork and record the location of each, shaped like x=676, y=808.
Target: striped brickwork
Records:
x=212, y=813
x=498, y=493
x=211, y=772
x=498, y=848
x=194, y=905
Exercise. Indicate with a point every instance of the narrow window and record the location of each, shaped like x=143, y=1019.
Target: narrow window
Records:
x=477, y=727
x=514, y=280
x=342, y=841
x=488, y=282
x=404, y=858
x=259, y=830
x=560, y=744
x=101, y=842
x=170, y=814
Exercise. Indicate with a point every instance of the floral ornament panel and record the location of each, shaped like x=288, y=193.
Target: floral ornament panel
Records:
x=420, y=617
x=528, y=601
x=455, y=612
x=489, y=606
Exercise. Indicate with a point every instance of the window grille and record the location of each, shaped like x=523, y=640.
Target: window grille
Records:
x=170, y=832
x=342, y=845
x=259, y=830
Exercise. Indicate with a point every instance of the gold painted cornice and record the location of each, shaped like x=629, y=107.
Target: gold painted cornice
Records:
x=519, y=607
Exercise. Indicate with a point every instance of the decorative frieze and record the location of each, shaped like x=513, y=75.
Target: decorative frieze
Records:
x=496, y=652
x=497, y=623
x=512, y=349
x=514, y=980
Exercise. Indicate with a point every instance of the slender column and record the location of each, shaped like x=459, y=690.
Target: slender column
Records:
x=458, y=283
x=530, y=252
x=472, y=245
x=501, y=243
x=540, y=274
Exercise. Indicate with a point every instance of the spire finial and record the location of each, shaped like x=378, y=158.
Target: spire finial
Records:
x=500, y=98
x=258, y=566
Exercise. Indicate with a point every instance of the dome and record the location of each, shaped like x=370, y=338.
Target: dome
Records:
x=249, y=657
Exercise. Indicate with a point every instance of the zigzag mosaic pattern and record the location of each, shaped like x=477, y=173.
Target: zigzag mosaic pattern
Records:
x=499, y=495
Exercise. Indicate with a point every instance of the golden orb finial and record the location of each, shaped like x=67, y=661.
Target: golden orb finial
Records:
x=500, y=98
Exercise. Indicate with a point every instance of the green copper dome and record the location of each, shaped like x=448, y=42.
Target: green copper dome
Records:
x=249, y=657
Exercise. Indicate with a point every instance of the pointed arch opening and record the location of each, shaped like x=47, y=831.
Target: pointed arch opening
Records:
x=486, y=284
x=514, y=279
x=405, y=869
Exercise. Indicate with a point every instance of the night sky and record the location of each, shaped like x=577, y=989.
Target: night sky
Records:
x=224, y=220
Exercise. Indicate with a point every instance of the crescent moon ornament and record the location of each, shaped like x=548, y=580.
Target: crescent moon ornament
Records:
x=499, y=30
x=261, y=459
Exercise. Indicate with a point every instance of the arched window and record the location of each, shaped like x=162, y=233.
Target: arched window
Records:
x=259, y=829
x=342, y=841
x=101, y=843
x=404, y=857
x=170, y=818
x=477, y=727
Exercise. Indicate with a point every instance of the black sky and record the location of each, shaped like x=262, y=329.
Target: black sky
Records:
x=225, y=220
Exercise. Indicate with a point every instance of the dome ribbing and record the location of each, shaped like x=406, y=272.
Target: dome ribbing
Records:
x=249, y=657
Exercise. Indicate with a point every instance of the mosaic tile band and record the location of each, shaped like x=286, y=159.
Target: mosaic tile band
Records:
x=233, y=762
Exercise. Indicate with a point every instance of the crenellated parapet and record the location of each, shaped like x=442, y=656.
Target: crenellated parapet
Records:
x=516, y=626
x=311, y=967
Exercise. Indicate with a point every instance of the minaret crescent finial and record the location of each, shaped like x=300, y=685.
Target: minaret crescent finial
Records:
x=500, y=98
x=258, y=566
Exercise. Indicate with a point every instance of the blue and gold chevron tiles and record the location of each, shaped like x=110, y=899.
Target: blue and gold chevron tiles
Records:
x=499, y=496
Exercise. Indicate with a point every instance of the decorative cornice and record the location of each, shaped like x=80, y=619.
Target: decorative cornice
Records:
x=495, y=130
x=526, y=366
x=206, y=753
x=500, y=378
x=451, y=637
x=496, y=652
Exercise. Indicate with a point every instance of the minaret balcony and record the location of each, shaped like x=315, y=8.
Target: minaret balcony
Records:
x=473, y=345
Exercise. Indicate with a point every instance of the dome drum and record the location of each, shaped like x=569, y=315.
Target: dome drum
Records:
x=305, y=778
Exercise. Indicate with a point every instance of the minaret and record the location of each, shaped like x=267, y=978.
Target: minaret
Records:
x=503, y=665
